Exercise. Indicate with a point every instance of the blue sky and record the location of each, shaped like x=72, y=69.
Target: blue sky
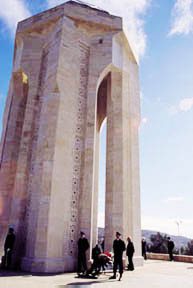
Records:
x=160, y=32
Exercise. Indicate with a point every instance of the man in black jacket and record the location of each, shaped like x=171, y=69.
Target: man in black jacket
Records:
x=8, y=247
x=144, y=248
x=170, y=249
x=83, y=246
x=118, y=248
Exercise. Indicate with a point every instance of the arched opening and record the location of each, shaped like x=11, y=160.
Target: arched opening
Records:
x=102, y=179
x=101, y=135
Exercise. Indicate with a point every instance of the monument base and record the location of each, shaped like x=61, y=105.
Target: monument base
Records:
x=48, y=265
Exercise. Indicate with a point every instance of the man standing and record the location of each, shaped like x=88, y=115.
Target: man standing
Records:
x=144, y=248
x=83, y=246
x=118, y=248
x=129, y=252
x=8, y=247
x=170, y=249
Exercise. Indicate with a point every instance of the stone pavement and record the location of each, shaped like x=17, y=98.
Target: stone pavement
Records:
x=154, y=274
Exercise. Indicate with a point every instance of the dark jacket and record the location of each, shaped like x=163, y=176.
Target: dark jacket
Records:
x=96, y=251
x=118, y=247
x=130, y=249
x=144, y=246
x=9, y=241
x=170, y=245
x=83, y=245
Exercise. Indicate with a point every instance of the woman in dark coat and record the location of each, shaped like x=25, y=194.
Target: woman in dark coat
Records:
x=129, y=252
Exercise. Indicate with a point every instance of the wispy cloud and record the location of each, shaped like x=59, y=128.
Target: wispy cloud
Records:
x=182, y=17
x=13, y=11
x=185, y=105
x=174, y=199
x=132, y=11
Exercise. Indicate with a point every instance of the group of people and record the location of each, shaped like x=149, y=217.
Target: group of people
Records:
x=101, y=258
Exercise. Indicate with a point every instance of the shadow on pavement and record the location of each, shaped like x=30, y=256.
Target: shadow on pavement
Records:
x=15, y=273
x=84, y=284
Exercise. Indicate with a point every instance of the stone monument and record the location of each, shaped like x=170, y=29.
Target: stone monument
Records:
x=73, y=67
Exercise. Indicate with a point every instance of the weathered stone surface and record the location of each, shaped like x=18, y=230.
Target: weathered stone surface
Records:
x=73, y=67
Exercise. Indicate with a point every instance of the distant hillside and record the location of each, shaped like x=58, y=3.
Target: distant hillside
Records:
x=178, y=240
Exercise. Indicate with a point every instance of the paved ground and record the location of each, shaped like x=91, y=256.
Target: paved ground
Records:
x=154, y=274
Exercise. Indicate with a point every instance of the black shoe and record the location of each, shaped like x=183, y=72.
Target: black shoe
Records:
x=112, y=277
x=120, y=277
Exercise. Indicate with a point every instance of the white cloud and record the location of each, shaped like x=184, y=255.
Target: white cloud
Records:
x=132, y=11
x=13, y=11
x=184, y=105
x=182, y=17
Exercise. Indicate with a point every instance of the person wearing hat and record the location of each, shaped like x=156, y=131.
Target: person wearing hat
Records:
x=118, y=248
x=83, y=246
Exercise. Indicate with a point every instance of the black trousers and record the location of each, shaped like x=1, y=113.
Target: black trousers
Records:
x=82, y=267
x=171, y=255
x=144, y=255
x=8, y=258
x=95, y=267
x=118, y=262
x=130, y=264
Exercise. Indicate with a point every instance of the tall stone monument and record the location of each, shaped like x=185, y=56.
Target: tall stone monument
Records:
x=73, y=67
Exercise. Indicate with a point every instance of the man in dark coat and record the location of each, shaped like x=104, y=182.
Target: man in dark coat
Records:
x=83, y=246
x=95, y=268
x=170, y=249
x=144, y=248
x=8, y=247
x=129, y=252
x=118, y=248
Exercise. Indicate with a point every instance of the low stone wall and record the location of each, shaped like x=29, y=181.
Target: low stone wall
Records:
x=165, y=257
